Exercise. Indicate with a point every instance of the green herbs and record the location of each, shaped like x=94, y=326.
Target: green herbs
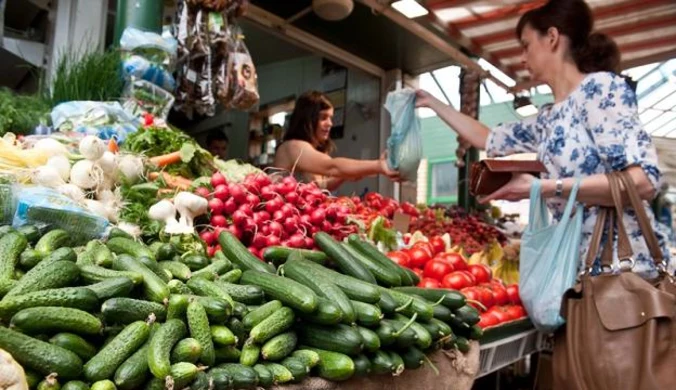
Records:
x=20, y=114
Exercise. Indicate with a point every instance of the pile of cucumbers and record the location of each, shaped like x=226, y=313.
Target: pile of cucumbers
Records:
x=125, y=315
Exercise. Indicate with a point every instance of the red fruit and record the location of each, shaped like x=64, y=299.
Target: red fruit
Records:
x=513, y=293
x=456, y=281
x=482, y=273
x=217, y=179
x=400, y=257
x=470, y=277
x=218, y=220
x=246, y=209
x=418, y=272
x=203, y=192
x=486, y=297
x=516, y=311
x=209, y=237
x=429, y=283
x=437, y=269
x=222, y=192
x=426, y=246
x=471, y=293
x=501, y=314
x=454, y=259
x=438, y=244
x=487, y=320
x=419, y=257
x=216, y=206
x=318, y=216
x=278, y=216
x=259, y=241
x=500, y=295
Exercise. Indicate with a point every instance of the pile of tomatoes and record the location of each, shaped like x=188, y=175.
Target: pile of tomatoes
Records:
x=438, y=268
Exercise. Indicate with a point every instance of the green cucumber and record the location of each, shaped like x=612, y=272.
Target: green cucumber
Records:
x=6, y=285
x=289, y=292
x=231, y=276
x=397, y=363
x=334, y=366
x=222, y=335
x=201, y=382
x=29, y=259
x=33, y=378
x=218, y=310
x=155, y=384
x=410, y=304
x=11, y=246
x=227, y=354
x=468, y=315
x=406, y=337
x=432, y=329
x=178, y=287
x=354, y=288
x=406, y=279
x=367, y=314
x=450, y=298
x=423, y=337
x=161, y=344
x=381, y=363
x=181, y=375
x=265, y=378
x=75, y=385
x=383, y=275
x=198, y=322
x=220, y=379
x=346, y=263
x=240, y=255
x=370, y=339
x=243, y=377
x=177, y=306
x=103, y=385
x=152, y=265
x=49, y=383
x=441, y=312
x=279, y=347
x=112, y=288
x=279, y=254
x=476, y=333
x=75, y=297
x=103, y=256
x=370, y=251
x=249, y=295
x=128, y=310
x=94, y=274
x=296, y=367
x=154, y=287
x=240, y=331
x=165, y=251
x=52, y=241
x=308, y=357
x=362, y=365
x=254, y=317
x=117, y=232
x=74, y=343
x=207, y=288
x=177, y=269
x=214, y=269
x=6, y=229
x=337, y=338
x=40, y=356
x=133, y=372
x=443, y=327
x=415, y=279
x=280, y=374
x=462, y=344
x=240, y=310
x=50, y=275
x=126, y=246
x=387, y=303
x=250, y=353
x=194, y=262
x=110, y=357
x=47, y=319
x=386, y=333
x=413, y=358
x=186, y=350
x=31, y=232
x=276, y=323
x=327, y=313
x=296, y=269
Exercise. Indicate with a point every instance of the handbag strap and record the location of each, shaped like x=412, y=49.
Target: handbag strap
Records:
x=643, y=220
x=624, y=250
x=595, y=242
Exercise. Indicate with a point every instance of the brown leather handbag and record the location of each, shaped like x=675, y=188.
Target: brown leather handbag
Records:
x=620, y=330
x=487, y=176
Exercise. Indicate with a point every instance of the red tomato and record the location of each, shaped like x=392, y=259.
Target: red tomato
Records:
x=400, y=257
x=513, y=293
x=482, y=273
x=429, y=283
x=438, y=244
x=419, y=257
x=471, y=293
x=500, y=295
x=455, y=259
x=516, y=311
x=500, y=314
x=456, y=281
x=471, y=279
x=424, y=245
x=437, y=269
x=418, y=272
x=487, y=319
x=486, y=297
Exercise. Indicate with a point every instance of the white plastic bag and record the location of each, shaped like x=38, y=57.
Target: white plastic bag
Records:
x=404, y=146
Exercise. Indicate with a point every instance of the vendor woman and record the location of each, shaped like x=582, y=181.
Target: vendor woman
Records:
x=307, y=147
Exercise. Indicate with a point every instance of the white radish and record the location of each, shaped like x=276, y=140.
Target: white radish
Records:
x=189, y=206
x=51, y=147
x=86, y=175
x=131, y=168
x=92, y=147
x=97, y=207
x=47, y=176
x=108, y=163
x=72, y=191
x=62, y=164
x=130, y=228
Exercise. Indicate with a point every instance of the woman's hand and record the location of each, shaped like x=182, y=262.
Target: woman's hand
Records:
x=516, y=189
x=385, y=168
x=424, y=99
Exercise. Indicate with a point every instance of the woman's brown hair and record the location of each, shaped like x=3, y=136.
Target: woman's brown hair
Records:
x=304, y=120
x=591, y=51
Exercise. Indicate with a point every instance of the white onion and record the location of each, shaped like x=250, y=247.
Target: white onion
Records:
x=72, y=191
x=47, y=176
x=97, y=208
x=92, y=147
x=108, y=163
x=51, y=147
x=86, y=175
x=62, y=165
x=131, y=167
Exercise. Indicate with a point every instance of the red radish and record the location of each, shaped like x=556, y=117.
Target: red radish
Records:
x=239, y=217
x=309, y=242
x=221, y=192
x=292, y=197
x=276, y=228
x=237, y=232
x=289, y=210
x=211, y=251
x=230, y=206
x=237, y=191
x=341, y=218
x=290, y=180
x=290, y=225
x=259, y=241
x=217, y=179
x=305, y=220
x=252, y=200
x=254, y=252
x=246, y=209
x=327, y=226
x=249, y=226
x=203, y=192
x=314, y=230
x=318, y=216
x=216, y=206
x=218, y=220
x=297, y=241
x=208, y=237
x=259, y=218
x=267, y=193
x=265, y=230
x=278, y=216
x=273, y=205
x=273, y=241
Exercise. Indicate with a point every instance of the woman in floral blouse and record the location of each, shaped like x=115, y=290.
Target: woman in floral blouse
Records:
x=592, y=128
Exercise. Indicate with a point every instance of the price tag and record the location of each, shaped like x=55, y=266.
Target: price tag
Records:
x=401, y=222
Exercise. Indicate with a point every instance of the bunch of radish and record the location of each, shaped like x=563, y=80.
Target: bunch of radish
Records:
x=262, y=213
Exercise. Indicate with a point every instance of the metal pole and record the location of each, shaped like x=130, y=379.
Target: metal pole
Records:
x=144, y=15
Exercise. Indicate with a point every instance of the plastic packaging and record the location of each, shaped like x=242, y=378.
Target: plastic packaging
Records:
x=46, y=208
x=104, y=119
x=404, y=146
x=148, y=56
x=144, y=97
x=7, y=199
x=243, y=81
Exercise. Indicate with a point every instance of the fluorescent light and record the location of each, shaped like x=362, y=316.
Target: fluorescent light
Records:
x=410, y=8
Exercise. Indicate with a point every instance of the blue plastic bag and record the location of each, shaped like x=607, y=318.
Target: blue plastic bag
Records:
x=549, y=259
x=404, y=146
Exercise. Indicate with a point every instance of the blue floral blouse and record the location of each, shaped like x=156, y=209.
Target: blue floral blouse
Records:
x=596, y=130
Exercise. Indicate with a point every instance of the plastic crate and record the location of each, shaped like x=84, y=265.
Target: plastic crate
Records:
x=501, y=353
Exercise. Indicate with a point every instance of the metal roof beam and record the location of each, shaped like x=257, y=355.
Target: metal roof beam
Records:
x=500, y=13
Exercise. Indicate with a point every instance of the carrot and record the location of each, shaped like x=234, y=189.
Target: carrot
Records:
x=177, y=182
x=166, y=159
x=112, y=146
